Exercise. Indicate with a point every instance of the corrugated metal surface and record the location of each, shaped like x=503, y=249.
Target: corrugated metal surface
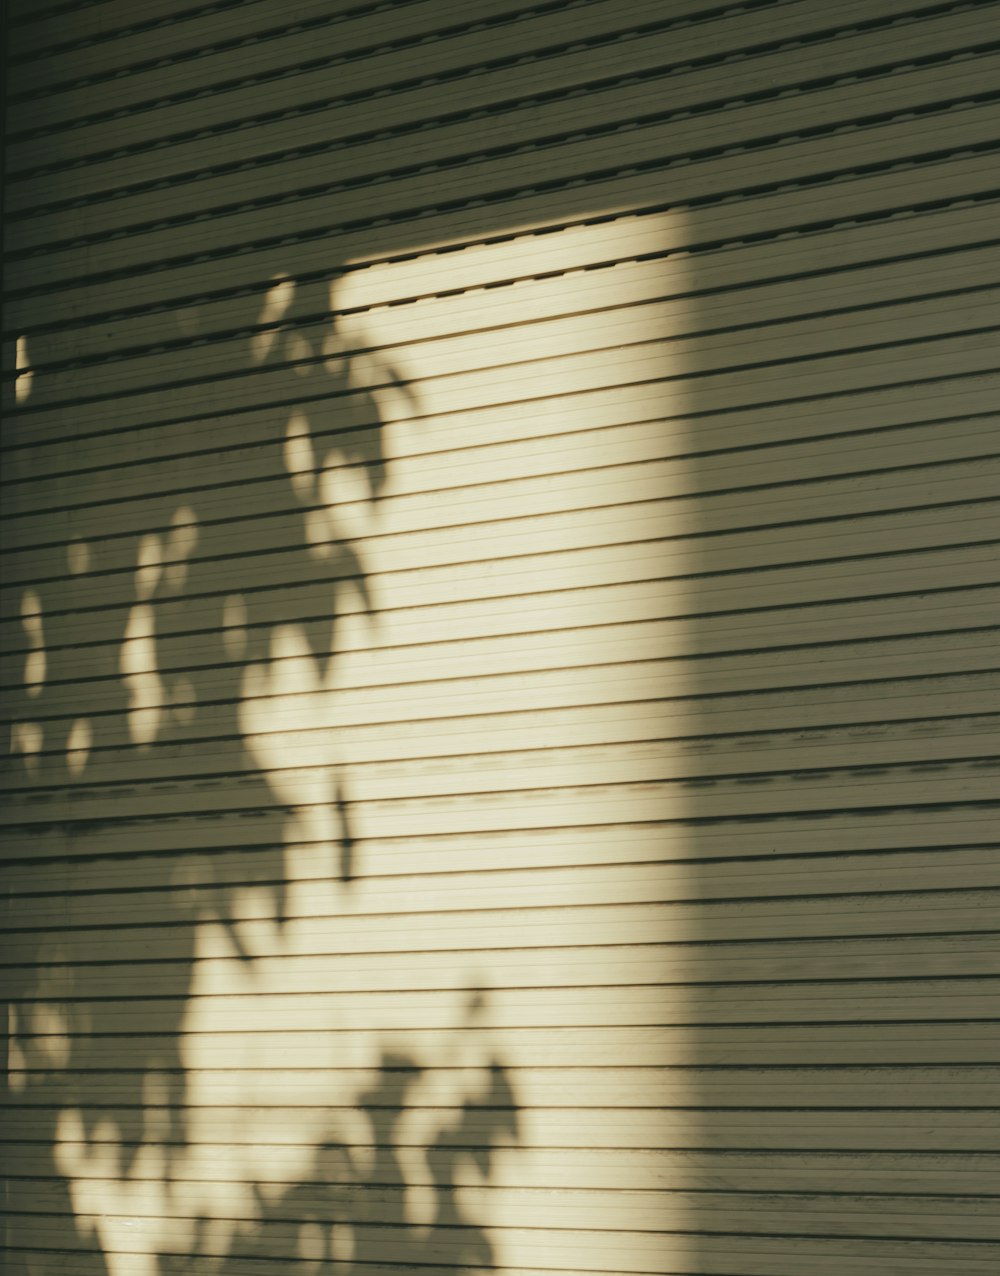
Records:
x=499, y=639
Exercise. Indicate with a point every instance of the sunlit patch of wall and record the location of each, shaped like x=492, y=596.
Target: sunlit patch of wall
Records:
x=161, y=560
x=466, y=985
x=516, y=607
x=495, y=711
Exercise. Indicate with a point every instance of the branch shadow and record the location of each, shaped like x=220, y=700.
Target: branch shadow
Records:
x=191, y=623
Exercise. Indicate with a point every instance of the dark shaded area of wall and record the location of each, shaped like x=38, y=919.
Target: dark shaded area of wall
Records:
x=827, y=756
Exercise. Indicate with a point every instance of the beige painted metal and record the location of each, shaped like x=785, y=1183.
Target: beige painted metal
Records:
x=499, y=646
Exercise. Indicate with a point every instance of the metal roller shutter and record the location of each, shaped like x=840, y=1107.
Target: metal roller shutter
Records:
x=499, y=536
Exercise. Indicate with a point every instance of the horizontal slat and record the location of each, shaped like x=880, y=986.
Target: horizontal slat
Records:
x=623, y=1128
x=582, y=886
x=576, y=355
x=714, y=657
x=750, y=215
x=507, y=189
x=823, y=967
x=861, y=1004
x=707, y=1045
x=671, y=1254
x=711, y=494
x=532, y=41
x=638, y=1169
x=428, y=48
x=115, y=47
x=512, y=648
x=624, y=301
x=597, y=724
x=425, y=116
x=707, y=1095
x=682, y=968
x=787, y=918
x=520, y=260
x=43, y=32
x=472, y=147
x=281, y=555
x=305, y=758
x=377, y=773
x=942, y=1217
x=614, y=576
x=114, y=856
x=573, y=794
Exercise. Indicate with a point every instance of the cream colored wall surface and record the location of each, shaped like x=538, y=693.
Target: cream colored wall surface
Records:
x=498, y=639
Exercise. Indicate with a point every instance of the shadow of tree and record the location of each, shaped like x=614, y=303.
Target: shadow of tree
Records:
x=349, y=1212
x=188, y=624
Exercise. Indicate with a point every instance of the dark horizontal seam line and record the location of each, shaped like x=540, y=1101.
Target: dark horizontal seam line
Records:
x=867, y=1193
x=859, y=770
x=437, y=1104
x=729, y=611
x=457, y=489
x=447, y=119
x=328, y=61
x=474, y=70
x=390, y=45
x=226, y=336
x=889, y=772
x=712, y=574
x=801, y=230
x=432, y=1268
x=174, y=636
x=29, y=582
x=434, y=1104
x=210, y=377
x=330, y=438
x=46, y=12
x=451, y=163
x=727, y=735
x=710, y=1025
x=353, y=994
x=183, y=343
x=627, y=506
x=696, y=822
x=80, y=826
x=684, y=658
x=901, y=1195
x=663, y=343
x=707, y=535
x=110, y=964
x=681, y=660
x=706, y=904
x=230, y=252
x=125, y=999
x=782, y=941
x=114, y=33
x=74, y=440
x=694, y=860
x=327, y=438
x=250, y=849
x=467, y=70
x=836, y=1068
x=332, y=435
x=667, y=617
x=916, y=767
x=109, y=36
x=232, y=881
x=297, y=547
